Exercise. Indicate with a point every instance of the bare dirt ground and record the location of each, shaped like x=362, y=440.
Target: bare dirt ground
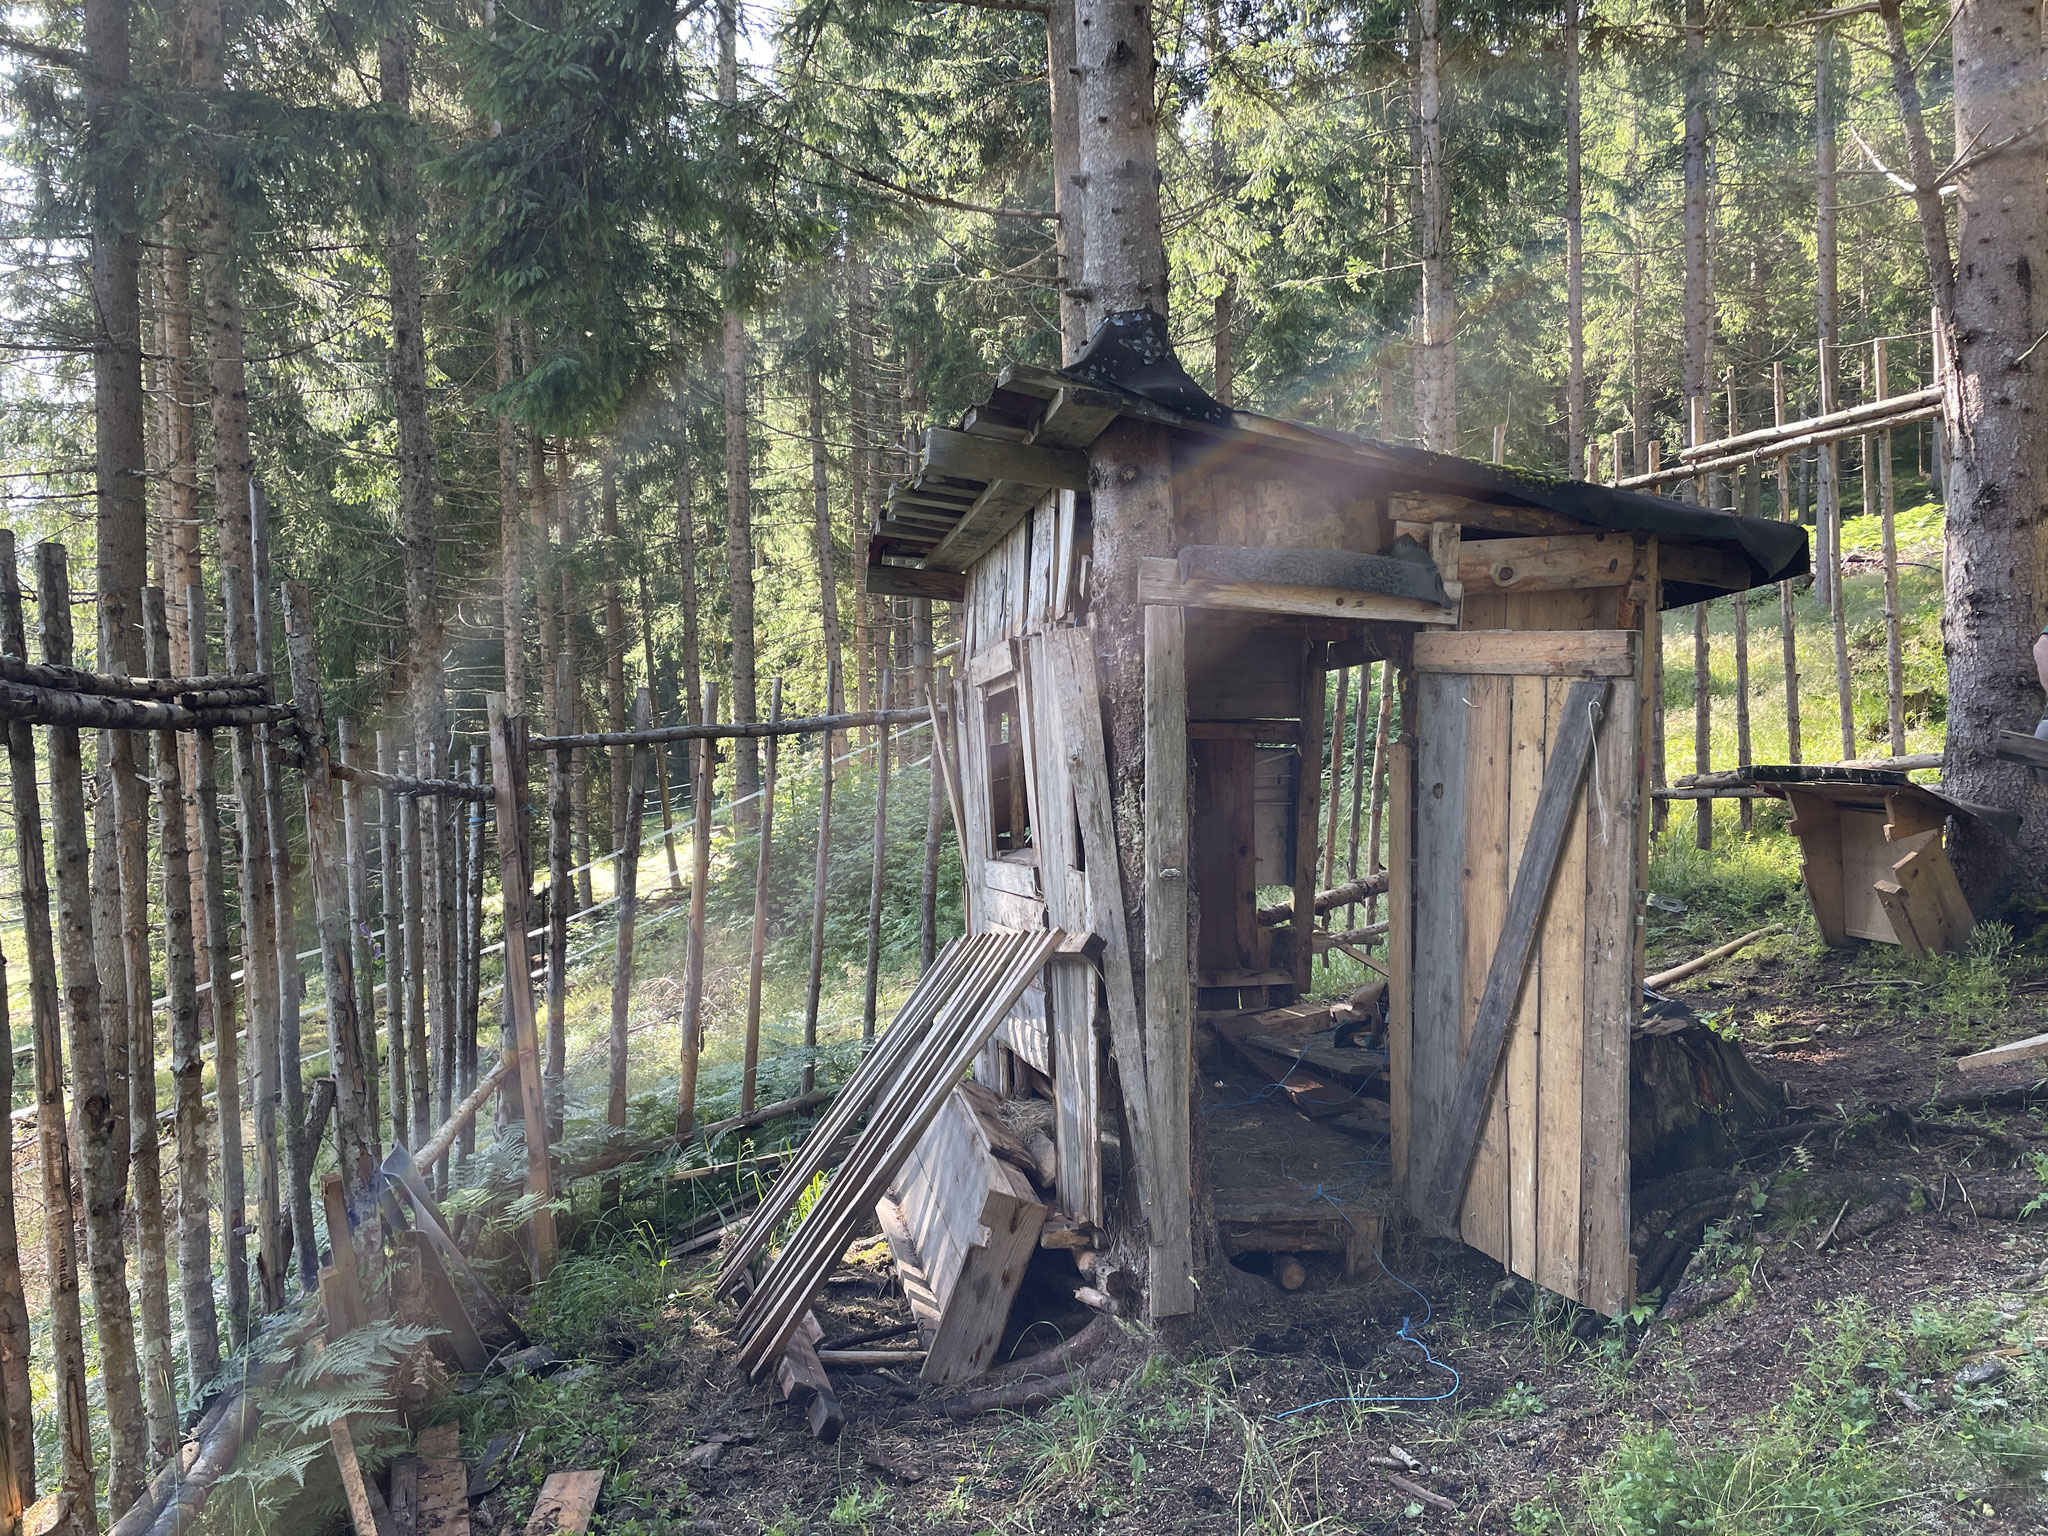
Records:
x=1861, y=1343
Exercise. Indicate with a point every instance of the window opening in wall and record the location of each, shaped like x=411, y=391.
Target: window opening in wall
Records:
x=1009, y=803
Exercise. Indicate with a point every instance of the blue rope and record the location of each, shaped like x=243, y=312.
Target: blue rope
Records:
x=1405, y=1333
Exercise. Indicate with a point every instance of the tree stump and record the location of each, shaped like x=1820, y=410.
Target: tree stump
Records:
x=1693, y=1094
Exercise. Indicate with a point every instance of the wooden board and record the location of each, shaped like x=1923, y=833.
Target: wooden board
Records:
x=1866, y=859
x=1070, y=986
x=1817, y=823
x=1522, y=652
x=970, y=1221
x=566, y=1503
x=444, y=1488
x=1557, y=562
x=1548, y=1188
x=1400, y=823
x=1159, y=581
x=1169, y=1001
x=2029, y=1049
x=1922, y=899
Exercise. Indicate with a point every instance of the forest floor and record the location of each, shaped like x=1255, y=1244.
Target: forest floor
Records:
x=1865, y=1346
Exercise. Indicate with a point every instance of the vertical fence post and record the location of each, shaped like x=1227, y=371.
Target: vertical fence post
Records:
x=1894, y=661
x=1831, y=559
x=420, y=1116
x=181, y=988
x=1787, y=608
x=700, y=880
x=472, y=1013
x=629, y=911
x=1743, y=486
x=757, y=950
x=227, y=1070
x=821, y=872
x=1702, y=674
x=1336, y=791
x=515, y=878
x=1376, y=812
x=391, y=898
x=879, y=869
x=1653, y=672
x=361, y=963
x=561, y=890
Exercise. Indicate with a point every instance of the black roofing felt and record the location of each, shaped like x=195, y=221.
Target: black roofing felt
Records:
x=1130, y=353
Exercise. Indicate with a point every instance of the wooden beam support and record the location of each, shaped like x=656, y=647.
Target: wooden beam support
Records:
x=1159, y=582
x=1168, y=999
x=1529, y=652
x=968, y=457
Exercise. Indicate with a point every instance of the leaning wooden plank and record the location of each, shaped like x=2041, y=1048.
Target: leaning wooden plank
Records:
x=1520, y=652
x=900, y=1117
x=566, y=1503
x=2013, y=1050
x=1929, y=883
x=788, y=1283
x=800, y=1377
x=1562, y=777
x=1159, y=581
x=2018, y=747
x=1168, y=998
x=876, y=1069
x=360, y=1514
x=1613, y=999
x=1072, y=655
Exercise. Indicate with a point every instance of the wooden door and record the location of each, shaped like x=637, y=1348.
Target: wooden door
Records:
x=1544, y=1117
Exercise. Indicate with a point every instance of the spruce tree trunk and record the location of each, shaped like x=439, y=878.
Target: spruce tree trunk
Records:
x=74, y=1515
x=828, y=572
x=1574, y=258
x=1997, y=441
x=1062, y=71
x=233, y=466
x=739, y=526
x=615, y=642
x=1927, y=207
x=1131, y=465
x=1825, y=306
x=1699, y=282
x=511, y=533
x=100, y=1154
x=568, y=682
x=1436, y=399
x=181, y=986
x=419, y=540
x=20, y=1442
x=686, y=561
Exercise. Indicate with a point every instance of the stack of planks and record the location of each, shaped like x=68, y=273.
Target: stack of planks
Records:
x=903, y=1083
x=962, y=1221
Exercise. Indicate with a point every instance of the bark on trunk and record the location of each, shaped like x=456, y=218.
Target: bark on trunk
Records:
x=1997, y=443
x=1436, y=365
x=1699, y=289
x=828, y=564
x=181, y=987
x=1927, y=206
x=511, y=533
x=1825, y=306
x=739, y=527
x=60, y=1219
x=101, y=1181
x=1062, y=71
x=1574, y=256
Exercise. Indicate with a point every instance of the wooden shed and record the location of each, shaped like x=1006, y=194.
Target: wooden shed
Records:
x=1521, y=613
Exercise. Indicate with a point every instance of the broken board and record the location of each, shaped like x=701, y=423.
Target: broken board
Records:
x=962, y=1223
x=567, y=1501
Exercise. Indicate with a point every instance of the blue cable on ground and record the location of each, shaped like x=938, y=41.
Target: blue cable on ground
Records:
x=1405, y=1333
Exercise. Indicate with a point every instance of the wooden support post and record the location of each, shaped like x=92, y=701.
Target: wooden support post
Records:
x=1500, y=442
x=878, y=871
x=1702, y=673
x=100, y=1178
x=327, y=860
x=53, y=1140
x=821, y=869
x=757, y=951
x=1788, y=636
x=629, y=907
x=361, y=964
x=1307, y=804
x=1169, y=1001
x=1742, y=481
x=413, y=961
x=181, y=988
x=1894, y=661
x=1375, y=811
x=472, y=1012
x=1653, y=672
x=1831, y=560
x=1336, y=790
x=259, y=961
x=291, y=981
x=700, y=881
x=220, y=993
x=561, y=890
x=515, y=879
x=668, y=824
x=1362, y=766
x=391, y=897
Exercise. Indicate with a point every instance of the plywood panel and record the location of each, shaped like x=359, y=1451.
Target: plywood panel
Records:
x=1866, y=859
